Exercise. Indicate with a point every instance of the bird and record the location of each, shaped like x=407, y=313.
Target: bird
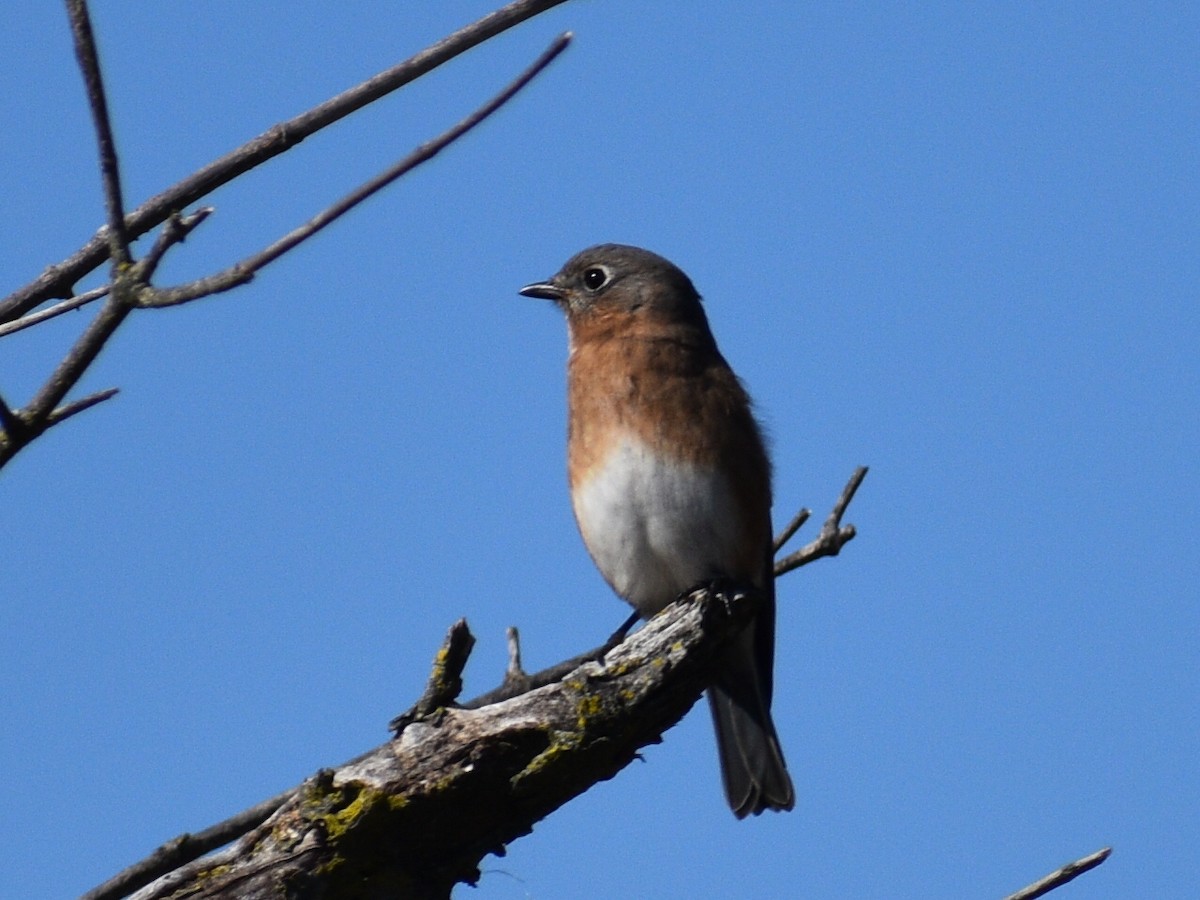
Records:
x=671, y=481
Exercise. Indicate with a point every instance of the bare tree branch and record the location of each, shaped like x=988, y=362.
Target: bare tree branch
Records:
x=44, y=410
x=57, y=281
x=131, y=286
x=244, y=271
x=444, y=683
x=416, y=815
x=110, y=171
x=51, y=312
x=1062, y=876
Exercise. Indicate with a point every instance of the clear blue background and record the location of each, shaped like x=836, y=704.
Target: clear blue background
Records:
x=955, y=241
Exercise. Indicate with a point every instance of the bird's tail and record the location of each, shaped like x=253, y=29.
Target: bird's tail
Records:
x=752, y=767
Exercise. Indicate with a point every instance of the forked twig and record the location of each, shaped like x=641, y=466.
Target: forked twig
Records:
x=71, y=369
x=131, y=286
x=244, y=271
x=57, y=281
x=833, y=536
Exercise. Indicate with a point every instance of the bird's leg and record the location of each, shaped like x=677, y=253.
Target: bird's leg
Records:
x=619, y=635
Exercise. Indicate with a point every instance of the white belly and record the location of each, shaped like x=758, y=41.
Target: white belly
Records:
x=656, y=527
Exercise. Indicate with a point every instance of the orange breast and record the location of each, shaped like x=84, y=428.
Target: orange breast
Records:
x=669, y=477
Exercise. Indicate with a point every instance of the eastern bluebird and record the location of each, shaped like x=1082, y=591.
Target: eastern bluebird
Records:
x=670, y=480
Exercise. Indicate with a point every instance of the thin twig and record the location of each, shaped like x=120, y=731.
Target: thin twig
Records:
x=839, y=508
x=110, y=171
x=792, y=527
x=833, y=533
x=515, y=677
x=184, y=849
x=57, y=281
x=17, y=432
x=517, y=686
x=51, y=312
x=130, y=286
x=244, y=271
x=64, y=412
x=1062, y=876
x=175, y=231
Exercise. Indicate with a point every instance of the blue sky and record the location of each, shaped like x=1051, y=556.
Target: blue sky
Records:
x=956, y=242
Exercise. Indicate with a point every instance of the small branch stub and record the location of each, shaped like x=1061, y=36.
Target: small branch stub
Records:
x=445, y=681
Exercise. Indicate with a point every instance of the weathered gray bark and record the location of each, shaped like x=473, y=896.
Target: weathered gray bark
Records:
x=416, y=815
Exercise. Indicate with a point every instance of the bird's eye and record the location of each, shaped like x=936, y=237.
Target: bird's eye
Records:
x=594, y=278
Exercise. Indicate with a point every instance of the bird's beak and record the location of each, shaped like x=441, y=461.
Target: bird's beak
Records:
x=543, y=290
